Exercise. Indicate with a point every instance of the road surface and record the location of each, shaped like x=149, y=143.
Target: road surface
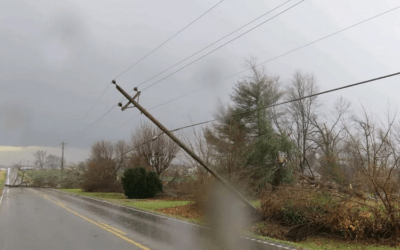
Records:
x=44, y=219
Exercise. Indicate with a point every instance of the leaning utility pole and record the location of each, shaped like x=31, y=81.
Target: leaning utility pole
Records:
x=177, y=141
x=62, y=156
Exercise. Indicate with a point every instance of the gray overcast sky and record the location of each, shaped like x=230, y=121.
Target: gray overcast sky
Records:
x=57, y=57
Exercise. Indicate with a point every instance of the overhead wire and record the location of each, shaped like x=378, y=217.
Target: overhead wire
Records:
x=274, y=105
x=322, y=38
x=271, y=59
x=187, y=65
x=208, y=46
x=141, y=59
x=161, y=104
x=151, y=52
x=95, y=103
x=94, y=122
x=298, y=48
x=294, y=100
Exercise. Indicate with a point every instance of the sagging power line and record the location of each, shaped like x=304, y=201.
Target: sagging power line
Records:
x=286, y=102
x=170, y=134
x=208, y=46
x=186, y=149
x=266, y=61
x=271, y=59
x=212, y=51
x=162, y=44
x=151, y=52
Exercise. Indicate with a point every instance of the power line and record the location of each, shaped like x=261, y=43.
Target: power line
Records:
x=208, y=46
x=298, y=48
x=274, y=105
x=99, y=119
x=210, y=53
x=155, y=107
x=322, y=38
x=159, y=46
x=168, y=39
x=125, y=123
x=108, y=85
x=93, y=123
x=276, y=57
x=130, y=150
x=222, y=45
x=294, y=100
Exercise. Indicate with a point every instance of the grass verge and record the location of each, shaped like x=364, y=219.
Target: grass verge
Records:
x=318, y=243
x=120, y=199
x=314, y=243
x=2, y=180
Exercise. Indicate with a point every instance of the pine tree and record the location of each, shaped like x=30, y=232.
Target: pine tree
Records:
x=248, y=139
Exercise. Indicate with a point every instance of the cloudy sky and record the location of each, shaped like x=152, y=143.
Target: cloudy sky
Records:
x=57, y=58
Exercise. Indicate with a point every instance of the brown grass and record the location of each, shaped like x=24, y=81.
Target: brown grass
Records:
x=189, y=211
x=306, y=211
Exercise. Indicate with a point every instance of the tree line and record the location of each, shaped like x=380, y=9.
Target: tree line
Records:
x=265, y=146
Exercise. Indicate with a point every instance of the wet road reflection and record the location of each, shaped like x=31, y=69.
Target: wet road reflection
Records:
x=154, y=230
x=48, y=219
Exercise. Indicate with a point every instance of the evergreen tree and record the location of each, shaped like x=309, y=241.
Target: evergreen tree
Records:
x=251, y=135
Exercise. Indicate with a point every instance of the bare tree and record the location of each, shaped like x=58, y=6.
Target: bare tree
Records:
x=113, y=157
x=121, y=157
x=330, y=140
x=374, y=151
x=40, y=156
x=52, y=161
x=197, y=142
x=102, y=151
x=302, y=112
x=158, y=152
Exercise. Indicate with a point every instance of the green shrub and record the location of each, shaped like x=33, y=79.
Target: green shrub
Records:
x=292, y=215
x=139, y=183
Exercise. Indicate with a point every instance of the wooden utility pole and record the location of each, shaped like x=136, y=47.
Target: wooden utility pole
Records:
x=62, y=155
x=183, y=146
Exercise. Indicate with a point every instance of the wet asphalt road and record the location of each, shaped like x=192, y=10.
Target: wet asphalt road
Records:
x=47, y=219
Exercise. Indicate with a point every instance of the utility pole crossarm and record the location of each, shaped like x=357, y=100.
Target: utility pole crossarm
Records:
x=129, y=102
x=184, y=147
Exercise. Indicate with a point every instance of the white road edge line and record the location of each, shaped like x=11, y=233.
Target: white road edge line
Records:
x=165, y=217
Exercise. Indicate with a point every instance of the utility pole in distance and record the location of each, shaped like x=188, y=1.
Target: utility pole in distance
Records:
x=62, y=156
x=183, y=146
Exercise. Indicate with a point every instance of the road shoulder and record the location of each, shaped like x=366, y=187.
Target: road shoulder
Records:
x=271, y=243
